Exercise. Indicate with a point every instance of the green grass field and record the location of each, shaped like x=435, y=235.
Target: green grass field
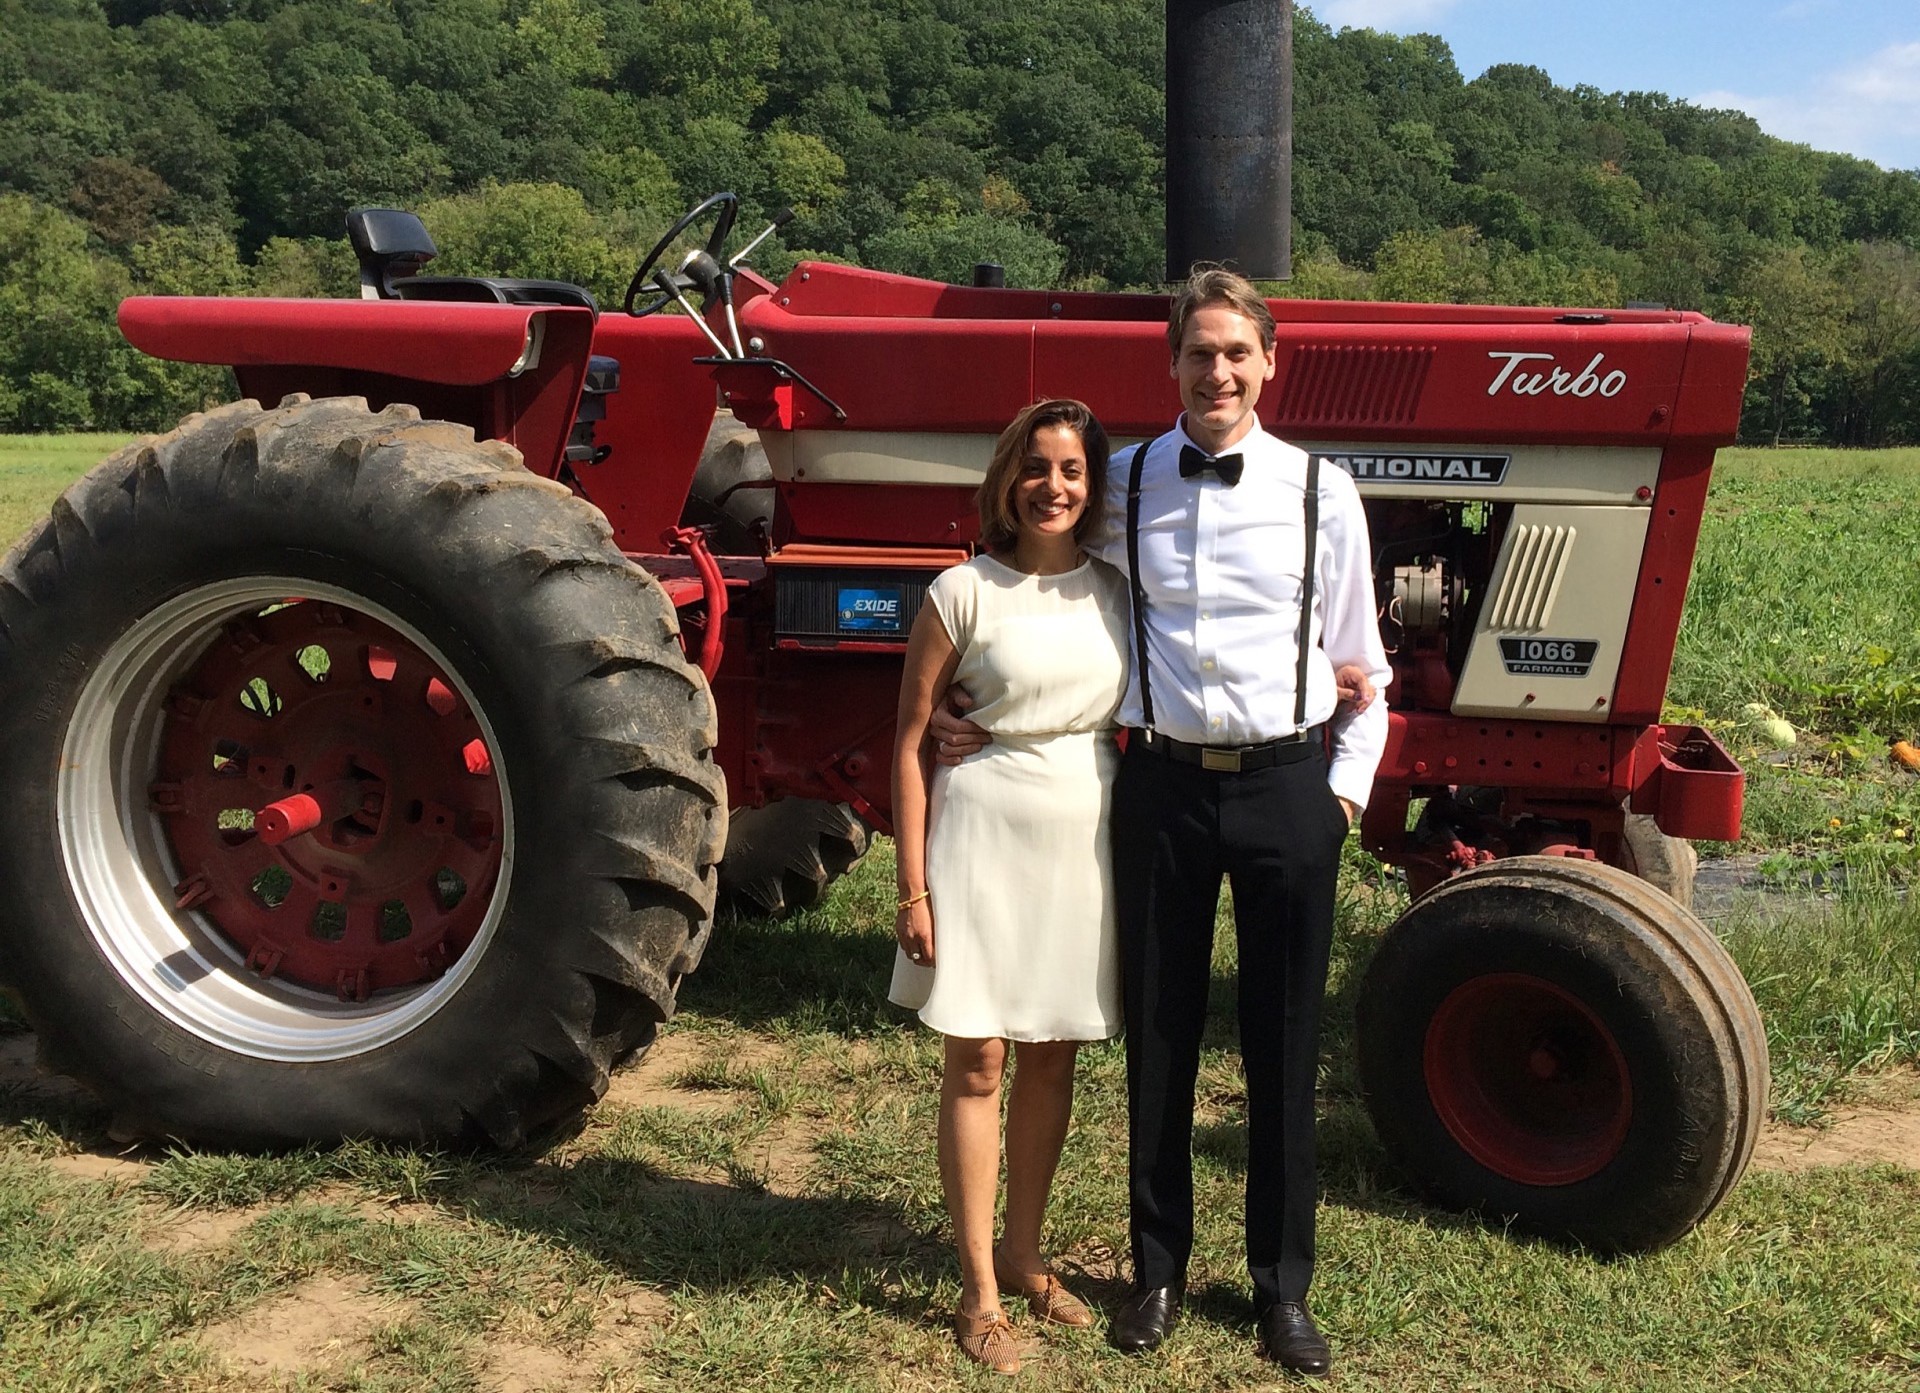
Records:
x=35, y=468
x=1803, y=600
x=756, y=1207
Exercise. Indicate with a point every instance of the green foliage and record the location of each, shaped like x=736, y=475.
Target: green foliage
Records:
x=565, y=36
x=307, y=268
x=59, y=355
x=1795, y=302
x=945, y=247
x=212, y=147
x=631, y=178
x=541, y=230
x=703, y=57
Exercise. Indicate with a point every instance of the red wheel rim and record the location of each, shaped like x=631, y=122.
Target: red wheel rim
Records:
x=314, y=708
x=1527, y=1079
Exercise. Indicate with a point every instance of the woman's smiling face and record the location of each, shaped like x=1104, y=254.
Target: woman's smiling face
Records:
x=1050, y=494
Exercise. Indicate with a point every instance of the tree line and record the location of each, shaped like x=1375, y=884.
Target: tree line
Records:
x=213, y=146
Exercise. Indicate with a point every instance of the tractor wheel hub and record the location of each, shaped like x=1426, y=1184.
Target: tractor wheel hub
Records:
x=329, y=799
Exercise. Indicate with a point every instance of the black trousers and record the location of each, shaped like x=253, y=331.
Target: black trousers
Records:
x=1275, y=833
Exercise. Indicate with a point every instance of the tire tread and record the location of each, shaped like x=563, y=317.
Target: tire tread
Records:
x=1657, y=930
x=476, y=511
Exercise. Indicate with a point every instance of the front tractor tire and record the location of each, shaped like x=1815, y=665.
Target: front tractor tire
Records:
x=1553, y=1043
x=357, y=785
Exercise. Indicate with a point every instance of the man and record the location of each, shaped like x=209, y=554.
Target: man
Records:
x=1227, y=772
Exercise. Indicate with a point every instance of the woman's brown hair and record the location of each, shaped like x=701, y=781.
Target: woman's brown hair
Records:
x=999, y=527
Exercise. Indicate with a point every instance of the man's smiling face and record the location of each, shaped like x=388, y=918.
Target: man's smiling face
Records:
x=1221, y=367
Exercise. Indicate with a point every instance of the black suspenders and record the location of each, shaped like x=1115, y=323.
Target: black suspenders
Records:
x=1310, y=505
x=1139, y=590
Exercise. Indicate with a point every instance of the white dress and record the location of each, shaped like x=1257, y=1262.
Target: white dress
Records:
x=1018, y=864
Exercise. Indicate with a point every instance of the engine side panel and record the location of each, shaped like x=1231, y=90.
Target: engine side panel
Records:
x=1552, y=627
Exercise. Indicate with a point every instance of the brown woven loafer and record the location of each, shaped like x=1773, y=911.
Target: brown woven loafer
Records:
x=1050, y=1301
x=988, y=1340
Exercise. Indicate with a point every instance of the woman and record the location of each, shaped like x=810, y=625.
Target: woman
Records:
x=1006, y=905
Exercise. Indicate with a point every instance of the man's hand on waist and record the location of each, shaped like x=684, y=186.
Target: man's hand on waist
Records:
x=1355, y=688
x=954, y=736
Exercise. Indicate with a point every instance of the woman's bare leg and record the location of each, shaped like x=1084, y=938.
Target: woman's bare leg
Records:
x=1037, y=1116
x=970, y=1161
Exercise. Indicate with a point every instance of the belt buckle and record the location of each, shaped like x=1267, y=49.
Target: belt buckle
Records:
x=1222, y=761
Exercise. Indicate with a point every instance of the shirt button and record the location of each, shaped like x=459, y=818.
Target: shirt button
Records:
x=1204, y=614
x=1216, y=721
x=1208, y=665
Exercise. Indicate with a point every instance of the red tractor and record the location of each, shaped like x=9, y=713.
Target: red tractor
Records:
x=370, y=754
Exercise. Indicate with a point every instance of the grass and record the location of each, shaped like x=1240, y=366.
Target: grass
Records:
x=831, y=1271
x=1838, y=985
x=764, y=1214
x=1802, y=601
x=35, y=468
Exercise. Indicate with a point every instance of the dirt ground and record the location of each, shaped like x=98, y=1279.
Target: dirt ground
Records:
x=1883, y=1128
x=326, y=1321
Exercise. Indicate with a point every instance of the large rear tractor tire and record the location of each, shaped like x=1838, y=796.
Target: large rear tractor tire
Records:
x=1553, y=1043
x=781, y=858
x=357, y=785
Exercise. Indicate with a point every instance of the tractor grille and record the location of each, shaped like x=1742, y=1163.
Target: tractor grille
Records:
x=832, y=605
x=1523, y=601
x=1353, y=385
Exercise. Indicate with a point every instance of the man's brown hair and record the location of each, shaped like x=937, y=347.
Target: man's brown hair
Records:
x=999, y=524
x=1210, y=283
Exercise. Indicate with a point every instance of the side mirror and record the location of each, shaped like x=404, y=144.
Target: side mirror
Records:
x=391, y=244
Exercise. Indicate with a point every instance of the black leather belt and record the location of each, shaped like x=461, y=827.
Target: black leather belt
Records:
x=1230, y=759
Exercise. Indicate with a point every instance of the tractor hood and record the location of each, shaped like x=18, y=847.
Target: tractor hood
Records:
x=898, y=354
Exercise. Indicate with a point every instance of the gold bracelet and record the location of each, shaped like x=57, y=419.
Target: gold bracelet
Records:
x=913, y=900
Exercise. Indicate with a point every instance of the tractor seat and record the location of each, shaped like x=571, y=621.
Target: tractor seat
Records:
x=392, y=245
x=489, y=289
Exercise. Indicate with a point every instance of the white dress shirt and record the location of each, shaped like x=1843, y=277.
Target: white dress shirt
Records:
x=1221, y=569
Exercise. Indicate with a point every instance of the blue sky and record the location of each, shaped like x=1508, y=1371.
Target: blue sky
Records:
x=1834, y=74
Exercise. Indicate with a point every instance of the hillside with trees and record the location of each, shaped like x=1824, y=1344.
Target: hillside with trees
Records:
x=212, y=146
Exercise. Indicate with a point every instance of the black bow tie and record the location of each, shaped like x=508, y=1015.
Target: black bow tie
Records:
x=1194, y=462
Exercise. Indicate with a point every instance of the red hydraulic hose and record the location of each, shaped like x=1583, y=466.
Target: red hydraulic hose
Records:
x=713, y=644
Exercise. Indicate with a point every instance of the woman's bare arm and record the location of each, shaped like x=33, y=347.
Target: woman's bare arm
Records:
x=931, y=661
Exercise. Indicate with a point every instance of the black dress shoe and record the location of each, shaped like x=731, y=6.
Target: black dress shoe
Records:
x=1290, y=1339
x=1143, y=1322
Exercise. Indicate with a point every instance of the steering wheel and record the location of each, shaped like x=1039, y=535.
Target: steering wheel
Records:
x=701, y=270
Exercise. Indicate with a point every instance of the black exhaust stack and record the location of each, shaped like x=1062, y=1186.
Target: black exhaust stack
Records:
x=1230, y=136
